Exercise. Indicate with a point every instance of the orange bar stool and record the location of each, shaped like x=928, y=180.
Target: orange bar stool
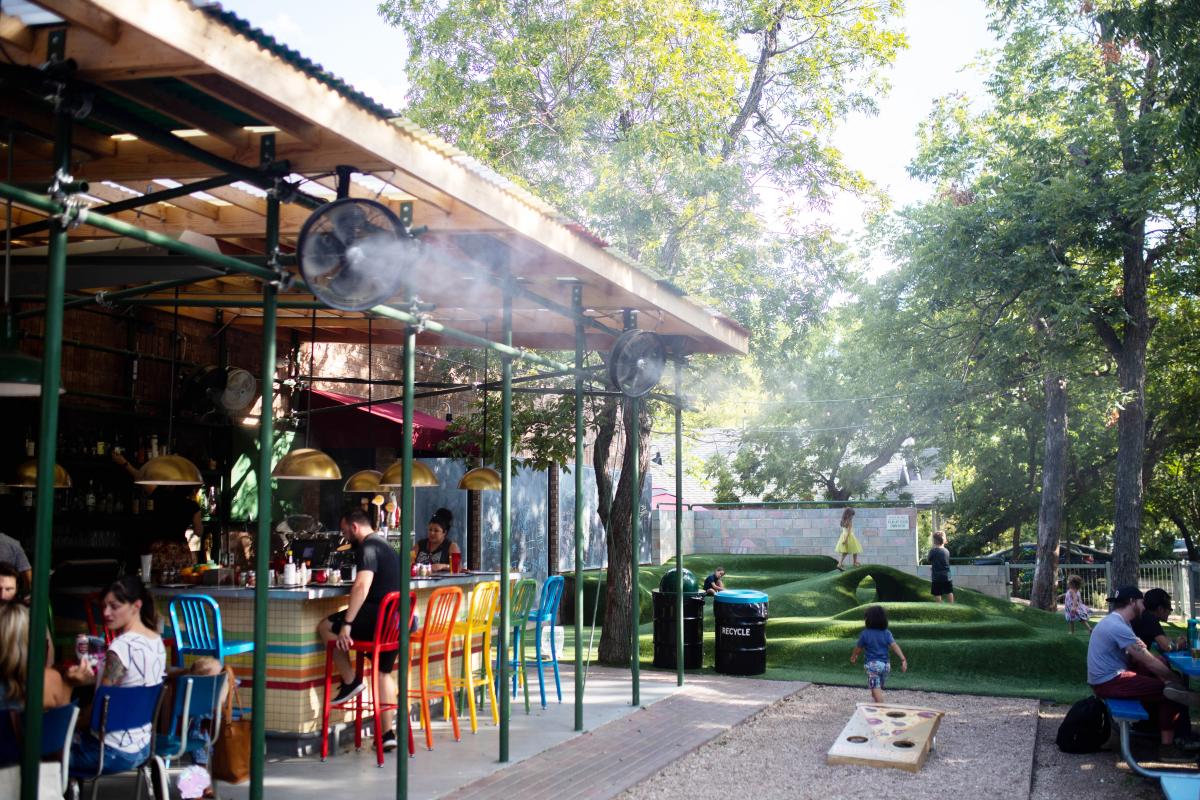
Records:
x=385, y=640
x=481, y=614
x=433, y=639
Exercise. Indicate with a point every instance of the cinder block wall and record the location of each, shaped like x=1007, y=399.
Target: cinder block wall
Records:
x=799, y=531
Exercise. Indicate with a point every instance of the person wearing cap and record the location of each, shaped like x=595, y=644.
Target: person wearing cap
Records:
x=1148, y=626
x=1120, y=666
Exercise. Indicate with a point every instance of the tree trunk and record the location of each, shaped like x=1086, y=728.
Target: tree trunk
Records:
x=1054, y=481
x=1131, y=424
x=615, y=637
x=1016, y=540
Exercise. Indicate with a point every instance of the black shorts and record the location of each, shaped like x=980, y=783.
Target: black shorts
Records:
x=939, y=588
x=363, y=630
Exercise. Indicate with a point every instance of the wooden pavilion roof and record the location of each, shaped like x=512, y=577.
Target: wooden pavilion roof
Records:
x=204, y=77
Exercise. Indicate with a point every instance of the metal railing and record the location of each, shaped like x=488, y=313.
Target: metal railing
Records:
x=1175, y=577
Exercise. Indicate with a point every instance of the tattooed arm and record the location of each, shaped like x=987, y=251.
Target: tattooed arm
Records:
x=114, y=670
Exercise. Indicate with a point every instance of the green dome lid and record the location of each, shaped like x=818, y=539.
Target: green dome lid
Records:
x=690, y=585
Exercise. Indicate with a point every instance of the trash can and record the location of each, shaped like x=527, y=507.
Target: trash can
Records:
x=665, y=627
x=741, y=622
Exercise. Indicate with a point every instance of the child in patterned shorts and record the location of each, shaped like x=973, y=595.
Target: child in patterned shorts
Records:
x=875, y=641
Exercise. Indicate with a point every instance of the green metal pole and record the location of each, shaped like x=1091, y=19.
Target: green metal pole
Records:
x=262, y=547
x=635, y=610
x=406, y=544
x=580, y=345
x=678, y=524
x=39, y=610
x=222, y=262
x=506, y=520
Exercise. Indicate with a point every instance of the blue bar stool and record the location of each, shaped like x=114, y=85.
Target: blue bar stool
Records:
x=196, y=622
x=545, y=615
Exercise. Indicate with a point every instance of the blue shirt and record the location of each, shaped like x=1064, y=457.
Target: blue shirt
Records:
x=876, y=643
x=1106, y=657
x=710, y=581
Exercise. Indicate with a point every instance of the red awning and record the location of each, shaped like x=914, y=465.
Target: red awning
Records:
x=377, y=425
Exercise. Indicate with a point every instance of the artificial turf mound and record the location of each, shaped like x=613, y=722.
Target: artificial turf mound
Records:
x=980, y=645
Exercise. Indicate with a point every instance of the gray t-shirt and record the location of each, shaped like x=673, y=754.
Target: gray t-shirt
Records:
x=1106, y=657
x=11, y=553
x=939, y=563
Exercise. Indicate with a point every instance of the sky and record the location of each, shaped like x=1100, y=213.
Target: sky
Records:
x=350, y=40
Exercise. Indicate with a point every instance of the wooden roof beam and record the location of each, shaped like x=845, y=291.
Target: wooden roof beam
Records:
x=256, y=106
x=15, y=33
x=85, y=15
x=40, y=118
x=191, y=116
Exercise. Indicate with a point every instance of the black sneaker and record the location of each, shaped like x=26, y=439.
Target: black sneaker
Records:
x=348, y=691
x=1182, y=696
x=389, y=741
x=1174, y=754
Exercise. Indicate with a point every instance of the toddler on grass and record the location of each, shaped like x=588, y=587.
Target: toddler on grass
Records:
x=876, y=640
x=1073, y=608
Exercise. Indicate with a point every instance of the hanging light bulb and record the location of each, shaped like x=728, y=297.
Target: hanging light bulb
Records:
x=422, y=476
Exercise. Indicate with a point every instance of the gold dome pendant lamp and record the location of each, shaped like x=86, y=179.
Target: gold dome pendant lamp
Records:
x=422, y=476
x=27, y=476
x=482, y=479
x=308, y=463
x=364, y=481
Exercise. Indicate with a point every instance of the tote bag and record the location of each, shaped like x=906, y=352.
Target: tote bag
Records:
x=231, y=750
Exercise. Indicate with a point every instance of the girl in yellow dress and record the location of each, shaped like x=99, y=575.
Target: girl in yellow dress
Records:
x=847, y=544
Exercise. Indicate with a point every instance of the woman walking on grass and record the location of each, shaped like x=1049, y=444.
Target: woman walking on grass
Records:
x=847, y=543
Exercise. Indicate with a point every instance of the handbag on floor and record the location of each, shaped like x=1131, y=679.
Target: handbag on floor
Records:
x=231, y=750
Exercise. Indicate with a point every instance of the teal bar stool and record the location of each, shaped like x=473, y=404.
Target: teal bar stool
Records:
x=196, y=623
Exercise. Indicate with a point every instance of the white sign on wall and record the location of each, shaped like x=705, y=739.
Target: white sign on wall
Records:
x=897, y=522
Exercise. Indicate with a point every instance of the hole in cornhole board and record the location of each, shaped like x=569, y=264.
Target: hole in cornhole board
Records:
x=896, y=714
x=903, y=744
x=857, y=739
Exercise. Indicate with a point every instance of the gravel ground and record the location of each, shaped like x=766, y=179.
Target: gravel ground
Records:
x=1096, y=776
x=985, y=749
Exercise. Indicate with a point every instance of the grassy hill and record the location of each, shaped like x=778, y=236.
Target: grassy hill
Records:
x=980, y=645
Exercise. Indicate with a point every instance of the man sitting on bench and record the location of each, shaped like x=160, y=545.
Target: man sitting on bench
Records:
x=1120, y=666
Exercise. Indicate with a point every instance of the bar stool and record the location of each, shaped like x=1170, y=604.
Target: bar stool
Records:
x=545, y=614
x=200, y=633
x=441, y=612
x=481, y=614
x=385, y=640
x=523, y=593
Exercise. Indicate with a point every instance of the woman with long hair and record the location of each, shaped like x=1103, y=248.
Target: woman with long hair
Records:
x=135, y=657
x=847, y=543
x=14, y=663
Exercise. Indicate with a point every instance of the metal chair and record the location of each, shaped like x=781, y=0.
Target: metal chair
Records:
x=545, y=614
x=196, y=624
x=481, y=616
x=197, y=697
x=116, y=709
x=58, y=727
x=441, y=611
x=524, y=592
x=386, y=639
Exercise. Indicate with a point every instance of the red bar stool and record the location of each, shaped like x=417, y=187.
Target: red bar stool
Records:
x=441, y=612
x=386, y=640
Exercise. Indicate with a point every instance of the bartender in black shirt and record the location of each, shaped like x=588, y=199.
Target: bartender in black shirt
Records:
x=378, y=575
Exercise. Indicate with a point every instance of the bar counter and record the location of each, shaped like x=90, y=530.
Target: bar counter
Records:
x=295, y=656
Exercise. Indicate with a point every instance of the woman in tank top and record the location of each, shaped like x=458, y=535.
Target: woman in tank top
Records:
x=436, y=548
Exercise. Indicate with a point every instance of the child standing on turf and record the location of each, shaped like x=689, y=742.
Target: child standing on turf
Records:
x=876, y=640
x=1073, y=608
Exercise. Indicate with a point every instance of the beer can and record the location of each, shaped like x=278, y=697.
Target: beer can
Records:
x=81, y=647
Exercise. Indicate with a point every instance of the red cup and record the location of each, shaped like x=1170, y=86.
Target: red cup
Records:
x=456, y=562
x=320, y=575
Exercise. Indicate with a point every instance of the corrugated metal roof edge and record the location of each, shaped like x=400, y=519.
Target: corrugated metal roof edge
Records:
x=309, y=67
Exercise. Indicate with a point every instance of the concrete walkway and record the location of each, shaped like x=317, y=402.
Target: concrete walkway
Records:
x=621, y=746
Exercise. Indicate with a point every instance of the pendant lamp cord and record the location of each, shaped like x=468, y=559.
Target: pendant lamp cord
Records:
x=370, y=366
x=171, y=395
x=8, y=212
x=312, y=360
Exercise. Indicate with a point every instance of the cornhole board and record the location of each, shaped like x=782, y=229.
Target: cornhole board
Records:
x=886, y=736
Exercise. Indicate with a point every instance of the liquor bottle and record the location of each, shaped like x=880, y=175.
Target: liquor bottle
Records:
x=150, y=504
x=136, y=503
x=30, y=445
x=154, y=445
x=89, y=499
x=101, y=444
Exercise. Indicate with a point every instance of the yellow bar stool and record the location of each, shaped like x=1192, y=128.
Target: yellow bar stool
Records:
x=477, y=627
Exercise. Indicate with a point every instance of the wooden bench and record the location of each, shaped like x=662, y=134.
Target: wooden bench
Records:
x=1175, y=785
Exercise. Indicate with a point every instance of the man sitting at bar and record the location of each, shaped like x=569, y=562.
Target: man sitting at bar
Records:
x=9, y=583
x=378, y=575
x=11, y=552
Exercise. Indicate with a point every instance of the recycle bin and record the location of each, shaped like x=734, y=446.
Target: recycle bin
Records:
x=741, y=623
x=665, y=626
